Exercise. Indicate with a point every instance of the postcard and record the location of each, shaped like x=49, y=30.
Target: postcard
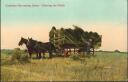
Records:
x=64, y=40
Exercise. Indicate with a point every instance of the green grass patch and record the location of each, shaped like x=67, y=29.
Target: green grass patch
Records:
x=103, y=66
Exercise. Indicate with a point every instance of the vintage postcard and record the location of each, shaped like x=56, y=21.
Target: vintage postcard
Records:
x=64, y=40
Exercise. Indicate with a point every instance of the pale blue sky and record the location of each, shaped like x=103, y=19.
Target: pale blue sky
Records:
x=107, y=17
x=74, y=10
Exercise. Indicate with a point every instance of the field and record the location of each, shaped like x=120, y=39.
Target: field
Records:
x=104, y=66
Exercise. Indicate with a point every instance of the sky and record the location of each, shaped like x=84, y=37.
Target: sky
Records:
x=107, y=17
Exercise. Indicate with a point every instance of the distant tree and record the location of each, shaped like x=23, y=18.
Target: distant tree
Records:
x=117, y=50
x=16, y=48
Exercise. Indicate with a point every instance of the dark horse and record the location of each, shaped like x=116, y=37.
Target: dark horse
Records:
x=37, y=47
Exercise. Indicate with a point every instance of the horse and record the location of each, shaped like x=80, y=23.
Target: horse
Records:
x=37, y=47
x=30, y=50
x=42, y=47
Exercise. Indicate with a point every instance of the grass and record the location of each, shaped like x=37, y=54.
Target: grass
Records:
x=104, y=66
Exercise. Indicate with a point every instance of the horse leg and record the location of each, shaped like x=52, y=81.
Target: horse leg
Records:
x=39, y=55
x=30, y=54
x=43, y=55
x=50, y=54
